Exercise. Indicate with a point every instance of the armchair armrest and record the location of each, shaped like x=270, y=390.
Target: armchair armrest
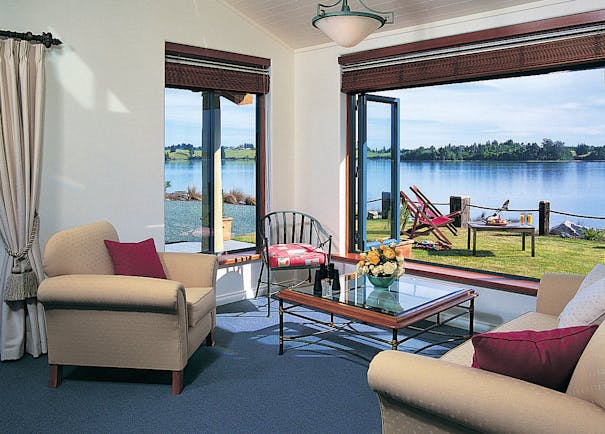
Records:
x=555, y=291
x=191, y=269
x=109, y=292
x=477, y=399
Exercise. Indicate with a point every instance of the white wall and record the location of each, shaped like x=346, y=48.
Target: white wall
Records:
x=104, y=127
x=320, y=107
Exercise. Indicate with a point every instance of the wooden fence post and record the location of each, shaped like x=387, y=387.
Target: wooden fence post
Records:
x=543, y=217
x=461, y=203
x=386, y=204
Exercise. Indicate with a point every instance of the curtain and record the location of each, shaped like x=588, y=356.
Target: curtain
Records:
x=22, y=325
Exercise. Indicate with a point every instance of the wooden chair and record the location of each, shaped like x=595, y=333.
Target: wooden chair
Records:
x=291, y=240
x=423, y=223
x=432, y=211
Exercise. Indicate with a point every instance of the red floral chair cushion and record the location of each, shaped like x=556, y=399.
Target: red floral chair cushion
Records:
x=295, y=255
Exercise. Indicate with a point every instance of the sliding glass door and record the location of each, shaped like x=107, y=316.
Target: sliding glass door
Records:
x=375, y=186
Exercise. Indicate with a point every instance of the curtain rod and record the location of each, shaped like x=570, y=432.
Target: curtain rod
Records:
x=45, y=38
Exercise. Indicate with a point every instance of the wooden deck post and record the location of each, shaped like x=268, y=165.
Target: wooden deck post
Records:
x=386, y=204
x=543, y=217
x=461, y=203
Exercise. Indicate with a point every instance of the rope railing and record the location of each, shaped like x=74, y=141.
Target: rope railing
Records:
x=577, y=215
x=582, y=216
x=500, y=209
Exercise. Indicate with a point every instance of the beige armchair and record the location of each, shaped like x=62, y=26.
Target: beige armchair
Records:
x=420, y=394
x=95, y=318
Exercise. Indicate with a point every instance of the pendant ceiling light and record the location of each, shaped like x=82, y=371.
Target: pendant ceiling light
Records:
x=346, y=27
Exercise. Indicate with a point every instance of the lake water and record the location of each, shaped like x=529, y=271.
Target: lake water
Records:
x=237, y=175
x=573, y=187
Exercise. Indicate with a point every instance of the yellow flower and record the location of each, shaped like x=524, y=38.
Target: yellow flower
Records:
x=389, y=253
x=361, y=264
x=374, y=257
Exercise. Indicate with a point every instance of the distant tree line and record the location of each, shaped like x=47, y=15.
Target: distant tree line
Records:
x=186, y=151
x=548, y=150
x=190, y=147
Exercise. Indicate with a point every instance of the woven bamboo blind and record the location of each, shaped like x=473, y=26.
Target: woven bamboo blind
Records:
x=253, y=77
x=544, y=56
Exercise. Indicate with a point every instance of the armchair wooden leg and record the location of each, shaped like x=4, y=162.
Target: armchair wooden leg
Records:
x=56, y=374
x=210, y=339
x=177, y=382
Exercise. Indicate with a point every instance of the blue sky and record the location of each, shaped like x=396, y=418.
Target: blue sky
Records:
x=183, y=114
x=566, y=106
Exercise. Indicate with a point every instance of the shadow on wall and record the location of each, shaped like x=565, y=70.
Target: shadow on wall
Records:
x=97, y=127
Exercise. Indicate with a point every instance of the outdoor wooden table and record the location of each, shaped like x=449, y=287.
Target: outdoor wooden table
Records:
x=510, y=227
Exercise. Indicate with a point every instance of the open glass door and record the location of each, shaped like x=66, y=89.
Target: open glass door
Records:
x=376, y=181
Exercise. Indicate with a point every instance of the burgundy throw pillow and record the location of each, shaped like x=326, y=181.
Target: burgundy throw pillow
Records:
x=547, y=358
x=136, y=259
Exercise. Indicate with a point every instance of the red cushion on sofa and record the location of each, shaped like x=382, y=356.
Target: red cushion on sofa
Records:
x=295, y=255
x=547, y=357
x=136, y=259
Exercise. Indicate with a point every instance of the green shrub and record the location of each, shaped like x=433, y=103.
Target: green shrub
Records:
x=593, y=234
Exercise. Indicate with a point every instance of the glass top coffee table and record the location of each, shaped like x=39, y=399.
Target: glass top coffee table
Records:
x=404, y=304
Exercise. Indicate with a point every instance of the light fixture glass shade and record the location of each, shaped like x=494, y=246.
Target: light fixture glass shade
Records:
x=348, y=30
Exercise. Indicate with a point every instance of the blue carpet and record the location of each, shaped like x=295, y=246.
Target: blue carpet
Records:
x=239, y=386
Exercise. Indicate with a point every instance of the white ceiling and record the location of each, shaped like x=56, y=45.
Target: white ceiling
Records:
x=290, y=20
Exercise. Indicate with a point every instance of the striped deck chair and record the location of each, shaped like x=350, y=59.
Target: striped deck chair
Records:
x=432, y=211
x=423, y=223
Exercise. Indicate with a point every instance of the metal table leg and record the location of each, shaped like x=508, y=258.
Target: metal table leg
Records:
x=533, y=244
x=522, y=240
x=394, y=343
x=474, y=242
x=281, y=327
x=471, y=317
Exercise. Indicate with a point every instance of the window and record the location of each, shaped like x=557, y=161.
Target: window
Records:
x=214, y=149
x=488, y=119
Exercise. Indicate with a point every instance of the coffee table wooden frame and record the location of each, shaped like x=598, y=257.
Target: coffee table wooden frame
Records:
x=394, y=323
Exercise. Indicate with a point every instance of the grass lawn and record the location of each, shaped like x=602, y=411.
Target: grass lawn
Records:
x=501, y=252
x=246, y=238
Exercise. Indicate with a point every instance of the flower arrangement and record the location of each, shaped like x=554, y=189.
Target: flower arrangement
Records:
x=382, y=261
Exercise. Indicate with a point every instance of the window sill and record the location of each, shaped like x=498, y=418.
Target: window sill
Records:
x=500, y=282
x=238, y=258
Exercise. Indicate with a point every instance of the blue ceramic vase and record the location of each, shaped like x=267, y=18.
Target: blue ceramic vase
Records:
x=381, y=282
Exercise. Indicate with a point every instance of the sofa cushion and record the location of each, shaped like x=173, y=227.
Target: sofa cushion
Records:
x=463, y=354
x=588, y=305
x=200, y=301
x=588, y=379
x=136, y=259
x=295, y=255
x=546, y=357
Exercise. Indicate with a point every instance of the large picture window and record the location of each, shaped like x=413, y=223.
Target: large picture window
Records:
x=524, y=133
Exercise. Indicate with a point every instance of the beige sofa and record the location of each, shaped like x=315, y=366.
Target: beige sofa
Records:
x=418, y=394
x=95, y=318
